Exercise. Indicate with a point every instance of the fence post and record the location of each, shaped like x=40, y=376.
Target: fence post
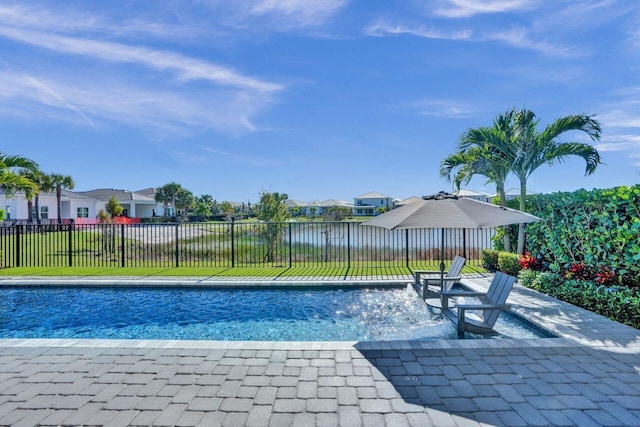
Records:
x=233, y=250
x=70, y=246
x=464, y=242
x=122, y=245
x=406, y=246
x=290, y=248
x=18, y=232
x=348, y=244
x=177, y=246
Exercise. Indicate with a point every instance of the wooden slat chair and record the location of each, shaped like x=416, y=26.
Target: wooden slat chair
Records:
x=432, y=286
x=491, y=304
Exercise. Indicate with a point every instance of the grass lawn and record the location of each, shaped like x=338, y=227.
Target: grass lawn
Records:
x=310, y=272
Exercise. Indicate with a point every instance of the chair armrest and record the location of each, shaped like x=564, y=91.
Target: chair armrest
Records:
x=462, y=294
x=483, y=306
x=446, y=279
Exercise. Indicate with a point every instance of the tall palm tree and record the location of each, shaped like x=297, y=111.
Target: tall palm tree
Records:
x=10, y=177
x=478, y=160
x=526, y=149
x=161, y=197
x=60, y=182
x=44, y=186
x=171, y=191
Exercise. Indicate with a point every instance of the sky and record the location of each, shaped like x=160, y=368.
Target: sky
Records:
x=319, y=99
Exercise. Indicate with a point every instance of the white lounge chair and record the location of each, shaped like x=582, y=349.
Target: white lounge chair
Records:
x=491, y=304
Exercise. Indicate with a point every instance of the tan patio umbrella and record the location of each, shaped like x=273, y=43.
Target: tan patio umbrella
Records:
x=445, y=210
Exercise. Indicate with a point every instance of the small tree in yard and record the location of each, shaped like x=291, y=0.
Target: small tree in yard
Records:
x=114, y=208
x=272, y=210
x=334, y=213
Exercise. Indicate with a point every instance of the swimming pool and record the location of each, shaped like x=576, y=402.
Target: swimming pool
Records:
x=246, y=314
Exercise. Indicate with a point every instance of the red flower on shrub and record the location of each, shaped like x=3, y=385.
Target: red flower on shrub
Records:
x=528, y=261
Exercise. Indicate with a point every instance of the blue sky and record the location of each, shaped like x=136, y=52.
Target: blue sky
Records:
x=315, y=98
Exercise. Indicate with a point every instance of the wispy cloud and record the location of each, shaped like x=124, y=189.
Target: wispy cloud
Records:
x=619, y=143
x=522, y=38
x=468, y=8
x=618, y=118
x=382, y=28
x=243, y=159
x=83, y=100
x=185, y=67
x=444, y=108
x=279, y=15
x=140, y=86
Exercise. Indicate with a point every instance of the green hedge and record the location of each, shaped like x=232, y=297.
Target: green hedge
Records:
x=600, y=228
x=618, y=303
x=501, y=261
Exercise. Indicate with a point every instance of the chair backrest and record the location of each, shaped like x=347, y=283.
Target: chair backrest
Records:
x=497, y=294
x=456, y=266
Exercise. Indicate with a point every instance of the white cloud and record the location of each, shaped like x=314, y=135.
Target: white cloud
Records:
x=523, y=39
x=83, y=101
x=619, y=143
x=621, y=118
x=187, y=68
x=382, y=28
x=444, y=108
x=279, y=15
x=468, y=8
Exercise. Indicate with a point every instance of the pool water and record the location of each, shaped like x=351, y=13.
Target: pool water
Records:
x=315, y=314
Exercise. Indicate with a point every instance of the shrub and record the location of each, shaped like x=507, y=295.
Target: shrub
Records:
x=618, y=303
x=528, y=262
x=579, y=271
x=509, y=263
x=490, y=259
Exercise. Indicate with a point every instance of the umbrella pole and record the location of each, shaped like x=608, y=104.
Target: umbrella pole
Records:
x=442, y=257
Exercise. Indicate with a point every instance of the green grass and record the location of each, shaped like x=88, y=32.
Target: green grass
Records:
x=327, y=271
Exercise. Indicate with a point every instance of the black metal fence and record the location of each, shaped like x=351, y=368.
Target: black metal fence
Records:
x=289, y=244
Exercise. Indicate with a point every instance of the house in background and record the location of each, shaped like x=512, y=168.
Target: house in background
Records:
x=134, y=204
x=402, y=202
x=475, y=195
x=74, y=206
x=369, y=203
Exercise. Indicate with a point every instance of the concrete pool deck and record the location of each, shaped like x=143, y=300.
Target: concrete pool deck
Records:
x=590, y=375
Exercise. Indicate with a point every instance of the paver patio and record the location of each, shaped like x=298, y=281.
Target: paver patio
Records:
x=588, y=376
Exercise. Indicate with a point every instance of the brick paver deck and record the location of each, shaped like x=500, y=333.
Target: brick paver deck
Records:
x=588, y=376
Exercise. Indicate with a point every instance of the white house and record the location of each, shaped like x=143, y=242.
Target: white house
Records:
x=369, y=203
x=134, y=204
x=475, y=195
x=72, y=206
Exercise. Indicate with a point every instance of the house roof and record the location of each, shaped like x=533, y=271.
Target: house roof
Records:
x=331, y=202
x=372, y=195
x=122, y=195
x=75, y=195
x=149, y=192
x=463, y=192
x=290, y=203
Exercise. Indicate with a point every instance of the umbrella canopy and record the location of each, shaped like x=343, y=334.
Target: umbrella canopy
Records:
x=444, y=210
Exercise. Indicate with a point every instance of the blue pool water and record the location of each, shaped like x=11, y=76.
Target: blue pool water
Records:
x=226, y=314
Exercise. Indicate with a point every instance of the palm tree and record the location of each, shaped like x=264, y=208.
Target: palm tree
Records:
x=44, y=186
x=161, y=197
x=61, y=182
x=479, y=160
x=184, y=201
x=525, y=149
x=169, y=192
x=10, y=177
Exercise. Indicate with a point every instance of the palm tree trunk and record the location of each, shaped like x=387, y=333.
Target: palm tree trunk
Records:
x=506, y=228
x=59, y=202
x=37, y=198
x=30, y=210
x=523, y=206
